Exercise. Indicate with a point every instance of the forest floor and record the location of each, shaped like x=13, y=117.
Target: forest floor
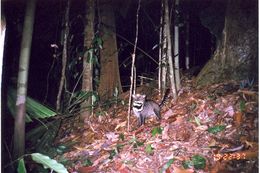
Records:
x=210, y=129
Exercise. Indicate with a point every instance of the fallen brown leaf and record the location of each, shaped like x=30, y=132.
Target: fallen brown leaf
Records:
x=123, y=124
x=238, y=118
x=253, y=145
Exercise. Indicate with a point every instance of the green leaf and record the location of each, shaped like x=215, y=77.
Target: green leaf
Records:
x=89, y=54
x=187, y=164
x=94, y=98
x=94, y=59
x=132, y=140
x=193, y=106
x=37, y=110
x=99, y=42
x=119, y=147
x=139, y=143
x=156, y=130
x=242, y=105
x=34, y=109
x=61, y=149
x=197, y=120
x=216, y=129
x=21, y=166
x=112, y=153
x=167, y=165
x=135, y=142
x=87, y=162
x=149, y=149
x=121, y=136
x=216, y=111
x=198, y=161
x=47, y=162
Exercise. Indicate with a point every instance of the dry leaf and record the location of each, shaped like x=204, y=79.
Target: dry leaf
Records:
x=238, y=118
x=165, y=132
x=168, y=114
x=202, y=128
x=230, y=111
x=253, y=145
x=112, y=136
x=123, y=124
x=212, y=143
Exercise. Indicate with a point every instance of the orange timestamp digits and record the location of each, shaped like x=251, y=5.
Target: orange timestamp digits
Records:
x=229, y=156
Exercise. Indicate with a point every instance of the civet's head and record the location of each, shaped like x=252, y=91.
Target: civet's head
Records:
x=138, y=102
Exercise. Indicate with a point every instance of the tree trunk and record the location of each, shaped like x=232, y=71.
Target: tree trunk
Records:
x=164, y=61
x=236, y=57
x=109, y=74
x=169, y=51
x=2, y=42
x=87, y=78
x=19, y=129
x=160, y=51
x=187, y=43
x=64, y=56
x=176, y=49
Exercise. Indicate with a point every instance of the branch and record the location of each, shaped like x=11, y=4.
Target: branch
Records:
x=64, y=56
x=132, y=69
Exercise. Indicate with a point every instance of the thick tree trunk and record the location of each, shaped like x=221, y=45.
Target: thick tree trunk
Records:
x=236, y=57
x=87, y=78
x=169, y=51
x=19, y=129
x=109, y=74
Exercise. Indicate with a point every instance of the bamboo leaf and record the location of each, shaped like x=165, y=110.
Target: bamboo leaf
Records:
x=34, y=109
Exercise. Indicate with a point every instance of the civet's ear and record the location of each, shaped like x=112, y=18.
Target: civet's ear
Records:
x=143, y=96
x=134, y=96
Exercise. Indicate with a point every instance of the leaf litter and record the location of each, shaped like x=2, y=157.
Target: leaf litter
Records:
x=209, y=129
